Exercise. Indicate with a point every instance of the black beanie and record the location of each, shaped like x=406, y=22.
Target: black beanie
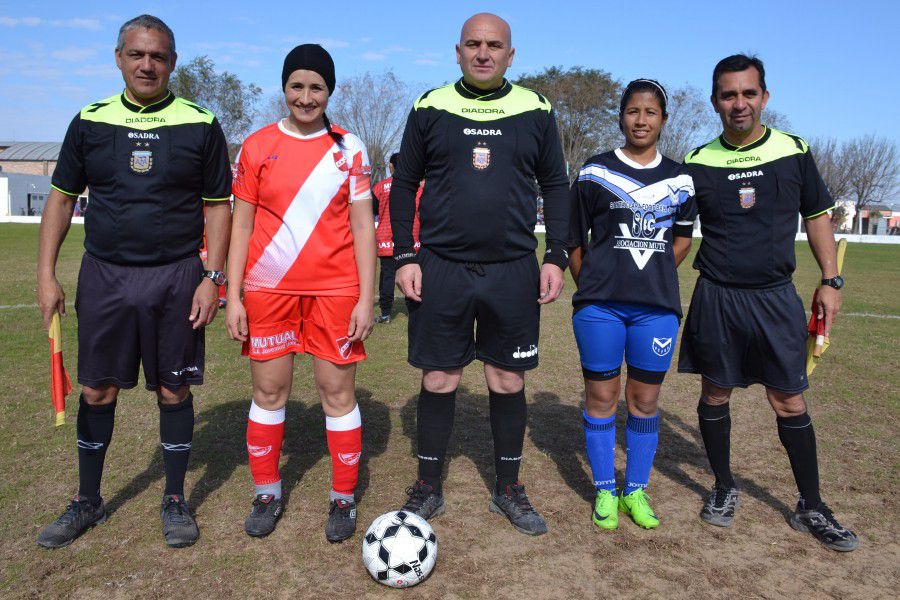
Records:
x=310, y=57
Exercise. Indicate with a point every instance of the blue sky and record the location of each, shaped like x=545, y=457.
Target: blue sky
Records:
x=832, y=67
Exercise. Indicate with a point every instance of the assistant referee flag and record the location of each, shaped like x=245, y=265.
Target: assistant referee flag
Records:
x=60, y=384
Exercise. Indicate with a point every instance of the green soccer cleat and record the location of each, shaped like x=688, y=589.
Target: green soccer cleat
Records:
x=637, y=506
x=605, y=515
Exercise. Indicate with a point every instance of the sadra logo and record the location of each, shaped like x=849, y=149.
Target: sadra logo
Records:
x=272, y=343
x=349, y=458
x=258, y=451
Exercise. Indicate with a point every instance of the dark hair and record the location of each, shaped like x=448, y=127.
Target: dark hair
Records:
x=644, y=85
x=338, y=137
x=145, y=22
x=394, y=158
x=736, y=63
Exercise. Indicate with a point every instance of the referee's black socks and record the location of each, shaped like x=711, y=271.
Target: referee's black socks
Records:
x=715, y=428
x=799, y=439
x=434, y=422
x=176, y=432
x=94, y=429
x=509, y=415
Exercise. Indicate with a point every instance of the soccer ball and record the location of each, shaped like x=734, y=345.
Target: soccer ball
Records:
x=399, y=549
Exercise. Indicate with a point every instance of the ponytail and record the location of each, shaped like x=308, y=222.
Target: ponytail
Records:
x=338, y=138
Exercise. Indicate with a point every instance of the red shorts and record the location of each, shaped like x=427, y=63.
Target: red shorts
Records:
x=280, y=324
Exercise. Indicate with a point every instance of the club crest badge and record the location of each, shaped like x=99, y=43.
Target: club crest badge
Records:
x=481, y=156
x=344, y=346
x=141, y=161
x=662, y=346
x=747, y=196
x=340, y=161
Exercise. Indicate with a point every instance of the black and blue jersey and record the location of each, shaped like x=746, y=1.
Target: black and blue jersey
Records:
x=625, y=216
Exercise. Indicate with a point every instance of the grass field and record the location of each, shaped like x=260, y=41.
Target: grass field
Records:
x=854, y=400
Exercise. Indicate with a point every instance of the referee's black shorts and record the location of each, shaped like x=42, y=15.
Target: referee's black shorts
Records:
x=501, y=298
x=133, y=314
x=736, y=337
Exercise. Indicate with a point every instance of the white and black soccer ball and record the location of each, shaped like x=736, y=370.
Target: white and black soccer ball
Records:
x=399, y=549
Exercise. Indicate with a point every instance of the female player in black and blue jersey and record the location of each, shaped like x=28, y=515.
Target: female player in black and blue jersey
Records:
x=632, y=219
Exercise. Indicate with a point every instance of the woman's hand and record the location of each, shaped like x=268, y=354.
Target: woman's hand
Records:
x=236, y=320
x=361, y=321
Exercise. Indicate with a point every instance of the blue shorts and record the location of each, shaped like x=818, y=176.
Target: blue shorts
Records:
x=644, y=334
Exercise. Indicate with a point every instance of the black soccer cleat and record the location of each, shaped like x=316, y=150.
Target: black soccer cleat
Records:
x=178, y=526
x=80, y=515
x=821, y=523
x=265, y=513
x=423, y=501
x=513, y=503
x=720, y=506
x=341, y=520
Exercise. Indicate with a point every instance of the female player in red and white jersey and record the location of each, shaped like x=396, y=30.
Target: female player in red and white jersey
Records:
x=303, y=252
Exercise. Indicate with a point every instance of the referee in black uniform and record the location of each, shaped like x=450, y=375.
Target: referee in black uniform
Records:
x=746, y=323
x=479, y=143
x=151, y=161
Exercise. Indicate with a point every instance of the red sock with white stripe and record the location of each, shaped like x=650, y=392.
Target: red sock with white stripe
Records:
x=345, y=445
x=265, y=432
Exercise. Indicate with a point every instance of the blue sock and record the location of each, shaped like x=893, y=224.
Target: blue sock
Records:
x=641, y=439
x=600, y=439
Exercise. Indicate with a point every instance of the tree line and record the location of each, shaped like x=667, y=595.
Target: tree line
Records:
x=861, y=170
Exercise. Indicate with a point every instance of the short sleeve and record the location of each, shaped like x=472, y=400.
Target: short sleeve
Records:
x=246, y=177
x=360, y=169
x=687, y=207
x=69, y=177
x=581, y=204
x=815, y=199
x=216, y=166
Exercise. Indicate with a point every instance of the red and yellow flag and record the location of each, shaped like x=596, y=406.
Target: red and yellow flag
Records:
x=60, y=384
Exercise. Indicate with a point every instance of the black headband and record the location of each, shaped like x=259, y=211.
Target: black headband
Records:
x=309, y=57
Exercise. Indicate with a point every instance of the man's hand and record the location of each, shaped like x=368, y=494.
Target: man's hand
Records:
x=51, y=298
x=236, y=320
x=552, y=281
x=409, y=280
x=361, y=321
x=205, y=303
x=829, y=304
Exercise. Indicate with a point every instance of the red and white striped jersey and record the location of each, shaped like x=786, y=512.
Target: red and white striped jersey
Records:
x=302, y=187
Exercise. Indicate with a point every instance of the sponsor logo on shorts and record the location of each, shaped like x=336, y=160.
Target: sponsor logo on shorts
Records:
x=258, y=451
x=519, y=353
x=349, y=458
x=511, y=458
x=191, y=369
x=423, y=457
x=272, y=343
x=344, y=346
x=662, y=346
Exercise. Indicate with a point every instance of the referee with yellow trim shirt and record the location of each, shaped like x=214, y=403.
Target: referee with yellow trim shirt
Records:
x=151, y=161
x=746, y=323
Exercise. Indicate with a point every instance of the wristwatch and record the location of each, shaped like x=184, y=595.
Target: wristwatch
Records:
x=217, y=277
x=836, y=282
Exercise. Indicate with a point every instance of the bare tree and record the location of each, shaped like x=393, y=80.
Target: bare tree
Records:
x=374, y=107
x=871, y=163
x=586, y=105
x=271, y=109
x=230, y=99
x=776, y=120
x=691, y=122
x=829, y=157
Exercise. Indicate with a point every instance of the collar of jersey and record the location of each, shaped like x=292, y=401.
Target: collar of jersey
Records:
x=150, y=108
x=473, y=94
x=636, y=165
x=762, y=140
x=300, y=136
